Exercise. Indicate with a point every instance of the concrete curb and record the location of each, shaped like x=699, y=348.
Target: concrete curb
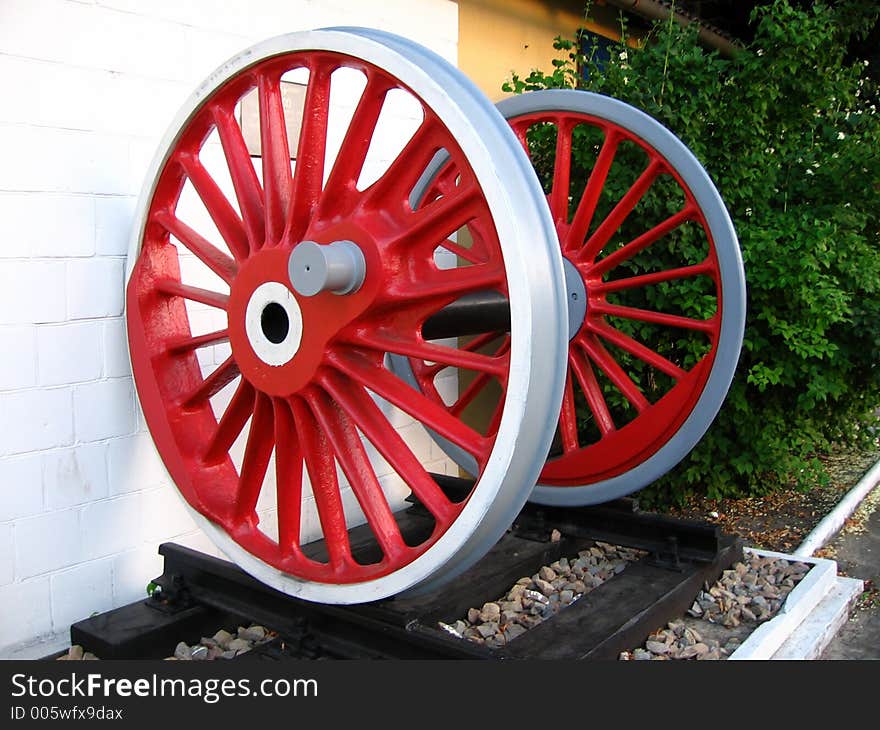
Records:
x=767, y=638
x=832, y=522
x=812, y=637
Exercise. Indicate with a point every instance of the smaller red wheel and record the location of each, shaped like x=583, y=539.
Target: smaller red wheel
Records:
x=641, y=229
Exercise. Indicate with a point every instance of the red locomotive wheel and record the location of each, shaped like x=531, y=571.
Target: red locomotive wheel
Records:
x=641, y=228
x=253, y=382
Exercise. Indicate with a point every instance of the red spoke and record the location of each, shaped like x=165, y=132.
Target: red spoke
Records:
x=431, y=225
x=213, y=384
x=583, y=216
x=478, y=383
x=349, y=162
x=619, y=213
x=240, y=408
x=193, y=293
x=586, y=379
x=430, y=285
x=471, y=392
x=483, y=340
x=368, y=417
x=444, y=182
x=222, y=213
x=432, y=415
x=325, y=485
x=391, y=191
x=561, y=172
x=616, y=374
x=475, y=344
x=257, y=452
x=208, y=253
x=181, y=345
x=361, y=476
x=645, y=315
x=568, y=418
x=627, y=343
x=463, y=253
x=638, y=244
x=411, y=346
x=288, y=476
x=492, y=428
x=311, y=150
x=521, y=130
x=276, y=156
x=247, y=187
x=634, y=282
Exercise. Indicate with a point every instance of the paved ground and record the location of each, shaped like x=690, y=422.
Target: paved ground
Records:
x=858, y=556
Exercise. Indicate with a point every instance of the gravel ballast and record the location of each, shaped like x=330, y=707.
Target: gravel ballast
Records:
x=222, y=645
x=536, y=598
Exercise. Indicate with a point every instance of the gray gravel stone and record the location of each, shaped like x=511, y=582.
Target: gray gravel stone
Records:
x=182, y=651
x=222, y=638
x=238, y=645
x=693, y=651
x=490, y=612
x=544, y=587
x=512, y=606
x=252, y=633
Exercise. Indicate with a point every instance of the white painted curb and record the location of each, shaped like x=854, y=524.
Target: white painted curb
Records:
x=765, y=640
x=833, y=521
x=814, y=635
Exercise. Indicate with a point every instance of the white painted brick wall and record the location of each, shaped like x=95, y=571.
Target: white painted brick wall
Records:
x=32, y=291
x=75, y=476
x=20, y=370
x=47, y=542
x=21, y=489
x=7, y=571
x=69, y=353
x=35, y=420
x=89, y=89
x=81, y=591
x=27, y=611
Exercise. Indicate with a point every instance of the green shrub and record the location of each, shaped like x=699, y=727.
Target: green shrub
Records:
x=788, y=131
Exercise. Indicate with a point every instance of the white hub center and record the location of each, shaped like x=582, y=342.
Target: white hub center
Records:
x=273, y=322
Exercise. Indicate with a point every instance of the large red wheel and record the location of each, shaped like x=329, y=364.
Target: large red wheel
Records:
x=656, y=296
x=262, y=385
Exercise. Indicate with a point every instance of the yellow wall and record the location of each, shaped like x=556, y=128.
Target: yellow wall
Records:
x=496, y=37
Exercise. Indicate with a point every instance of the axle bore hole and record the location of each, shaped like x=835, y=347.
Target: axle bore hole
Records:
x=274, y=322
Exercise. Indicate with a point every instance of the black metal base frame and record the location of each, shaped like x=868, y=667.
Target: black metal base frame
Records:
x=200, y=593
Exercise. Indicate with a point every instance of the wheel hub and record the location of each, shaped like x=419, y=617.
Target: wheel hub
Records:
x=576, y=296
